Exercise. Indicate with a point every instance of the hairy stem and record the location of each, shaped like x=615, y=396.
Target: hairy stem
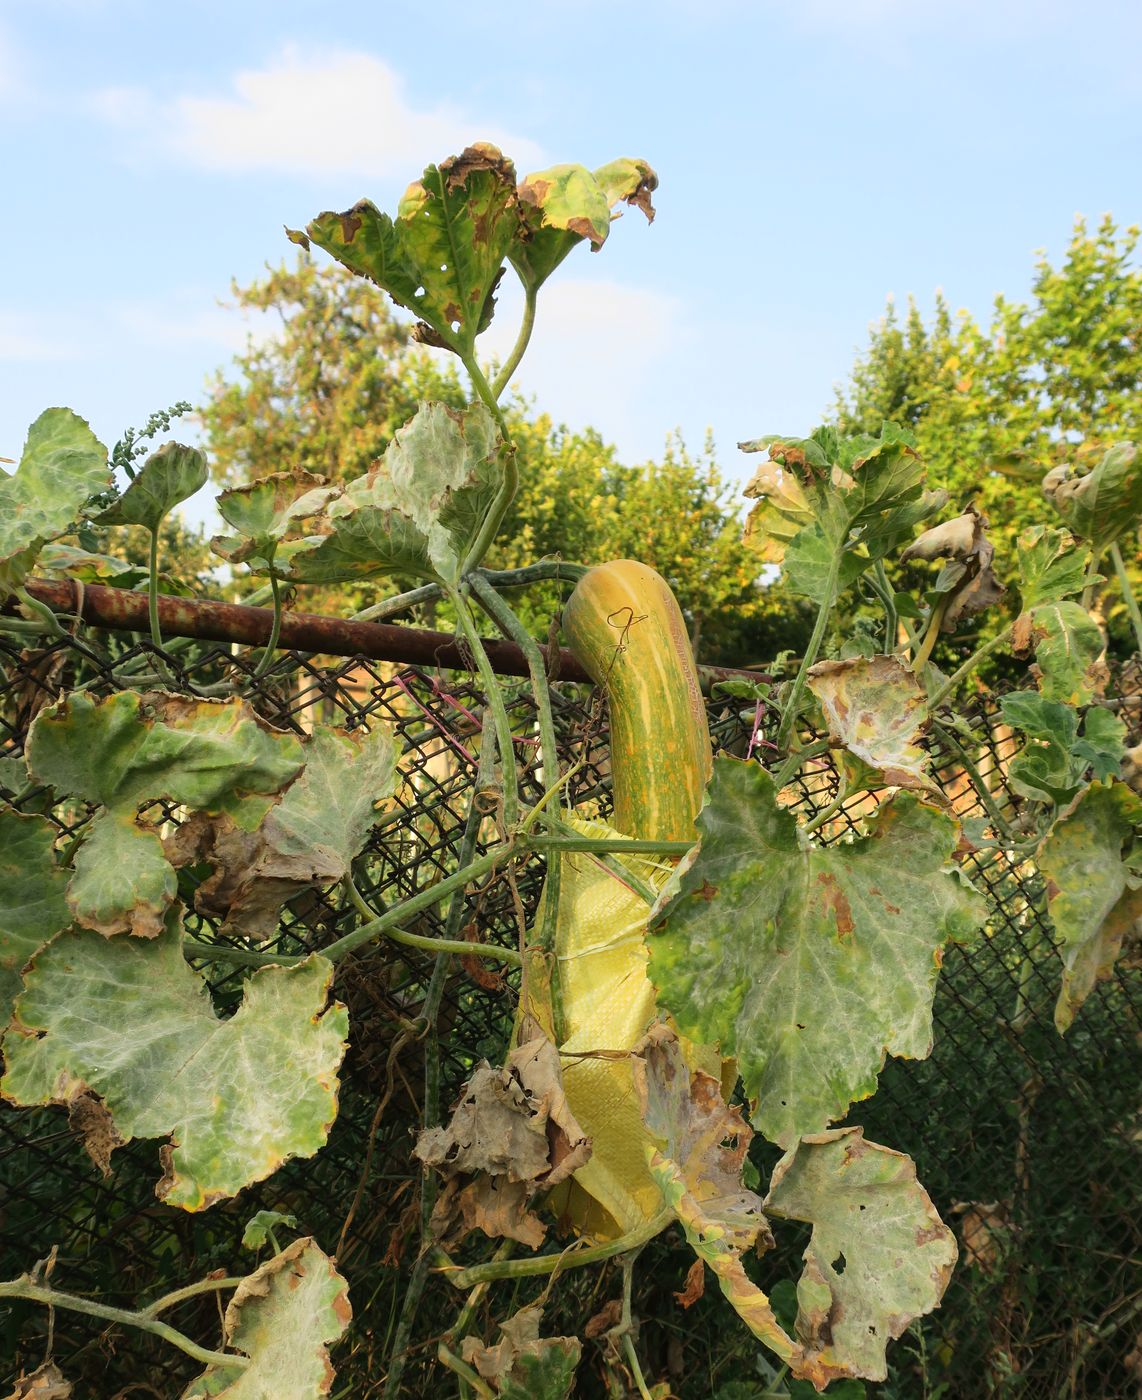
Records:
x=969, y=666
x=495, y=699
x=620, y=845
x=527, y=324
x=542, y=1264
x=416, y=940
x=820, y=627
x=24, y=1288
x=508, y=487
x=192, y=1290
x=275, y=630
x=796, y=759
x=153, y=590
x=998, y=820
x=1127, y=594
x=920, y=659
x=883, y=590
x=464, y=1371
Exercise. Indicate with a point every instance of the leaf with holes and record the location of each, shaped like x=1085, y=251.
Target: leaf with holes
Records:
x=523, y=1365
x=267, y=511
x=62, y=466
x=1093, y=893
x=130, y=1024
x=130, y=749
x=879, y=1255
x=419, y=509
x=307, y=841
x=808, y=965
x=32, y=904
x=167, y=478
x=566, y=204
x=283, y=1317
x=877, y=710
x=696, y=1161
x=1106, y=503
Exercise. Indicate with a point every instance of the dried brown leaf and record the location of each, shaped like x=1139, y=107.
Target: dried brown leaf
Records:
x=694, y=1286
x=46, y=1382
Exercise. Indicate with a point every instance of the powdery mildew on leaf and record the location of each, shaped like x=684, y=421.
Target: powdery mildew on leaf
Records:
x=1050, y=567
x=1105, y=503
x=879, y=1255
x=267, y=511
x=877, y=709
x=808, y=965
x=168, y=477
x=32, y=904
x=1093, y=895
x=129, y=749
x=284, y=1317
x=132, y=1024
x=1068, y=650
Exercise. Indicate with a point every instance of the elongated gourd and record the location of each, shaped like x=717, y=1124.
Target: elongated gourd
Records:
x=626, y=629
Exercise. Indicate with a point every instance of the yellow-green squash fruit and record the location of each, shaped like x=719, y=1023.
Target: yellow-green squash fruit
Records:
x=625, y=627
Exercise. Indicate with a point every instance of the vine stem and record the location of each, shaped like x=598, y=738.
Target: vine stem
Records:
x=1093, y=579
x=998, y=820
x=793, y=704
x=495, y=699
x=620, y=845
x=795, y=760
x=24, y=1288
x=1127, y=594
x=826, y=814
x=920, y=659
x=526, y=326
x=153, y=590
x=461, y=1368
x=969, y=666
x=275, y=630
x=510, y=484
x=883, y=590
x=192, y=1290
x=432, y=945
x=548, y=1263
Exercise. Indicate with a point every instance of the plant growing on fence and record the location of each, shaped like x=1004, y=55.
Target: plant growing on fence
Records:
x=700, y=938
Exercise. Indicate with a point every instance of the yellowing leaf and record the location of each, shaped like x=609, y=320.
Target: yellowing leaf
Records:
x=879, y=1255
x=523, y=1365
x=130, y=1023
x=283, y=1317
x=877, y=710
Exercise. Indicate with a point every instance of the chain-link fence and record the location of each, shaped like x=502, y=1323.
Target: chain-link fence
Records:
x=1027, y=1142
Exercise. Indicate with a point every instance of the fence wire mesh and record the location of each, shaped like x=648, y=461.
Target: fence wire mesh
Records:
x=1027, y=1142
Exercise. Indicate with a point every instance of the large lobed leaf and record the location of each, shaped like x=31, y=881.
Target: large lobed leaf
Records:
x=283, y=1317
x=265, y=512
x=32, y=904
x=1068, y=650
x=62, y=466
x=418, y=510
x=808, y=965
x=1106, y=503
x=1052, y=765
x=129, y=749
x=879, y=1255
x=130, y=1025
x=1093, y=893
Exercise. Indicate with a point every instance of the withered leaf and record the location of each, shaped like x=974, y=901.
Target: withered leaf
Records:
x=46, y=1382
x=88, y=1118
x=523, y=1364
x=968, y=583
x=695, y=1285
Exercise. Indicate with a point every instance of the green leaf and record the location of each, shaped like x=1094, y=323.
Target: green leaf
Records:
x=1050, y=567
x=1092, y=895
x=167, y=478
x=697, y=1165
x=1103, y=744
x=32, y=905
x=260, y=1225
x=266, y=511
x=1106, y=503
x=860, y=496
x=307, y=841
x=283, y=1316
x=129, y=1023
x=58, y=560
x=566, y=204
x=1053, y=764
x=808, y=965
x=62, y=466
x=522, y=1365
x=877, y=710
x=419, y=509
x=879, y=1255
x=443, y=254
x=130, y=749
x=1068, y=647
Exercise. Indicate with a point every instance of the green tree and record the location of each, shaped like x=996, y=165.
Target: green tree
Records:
x=340, y=374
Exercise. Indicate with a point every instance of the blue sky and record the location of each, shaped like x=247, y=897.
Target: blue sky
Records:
x=814, y=158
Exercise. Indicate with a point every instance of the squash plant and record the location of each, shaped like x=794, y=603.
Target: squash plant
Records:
x=704, y=965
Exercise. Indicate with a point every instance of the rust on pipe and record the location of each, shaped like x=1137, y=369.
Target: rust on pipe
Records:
x=119, y=610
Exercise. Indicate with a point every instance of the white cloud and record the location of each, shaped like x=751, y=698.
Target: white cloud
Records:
x=338, y=112
x=595, y=356
x=26, y=338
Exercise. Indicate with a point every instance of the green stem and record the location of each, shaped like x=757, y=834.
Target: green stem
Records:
x=432, y=945
x=825, y=814
x=153, y=590
x=611, y=863
x=793, y=703
x=636, y=1369
x=1127, y=594
x=23, y=1288
x=947, y=738
x=920, y=659
x=462, y=1369
x=883, y=590
x=275, y=631
x=969, y=666
x=796, y=759
x=511, y=364
x=495, y=699
x=240, y=957
x=1093, y=579
x=572, y=1258
x=508, y=487
x=48, y=620
x=192, y=1290
x=618, y=845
